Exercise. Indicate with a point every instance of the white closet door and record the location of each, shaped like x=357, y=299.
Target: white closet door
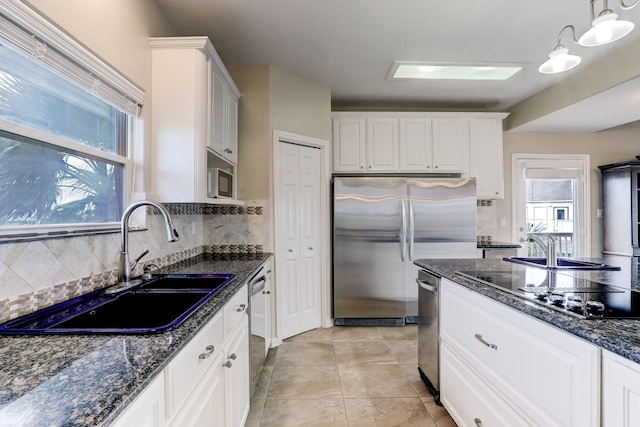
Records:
x=298, y=282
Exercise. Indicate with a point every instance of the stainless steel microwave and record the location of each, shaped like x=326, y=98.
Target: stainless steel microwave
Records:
x=219, y=183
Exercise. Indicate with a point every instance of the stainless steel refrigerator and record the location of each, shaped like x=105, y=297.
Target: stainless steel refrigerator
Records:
x=380, y=226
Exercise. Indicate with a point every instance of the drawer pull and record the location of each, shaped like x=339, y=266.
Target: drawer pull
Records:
x=232, y=356
x=241, y=308
x=210, y=349
x=227, y=364
x=479, y=338
x=478, y=422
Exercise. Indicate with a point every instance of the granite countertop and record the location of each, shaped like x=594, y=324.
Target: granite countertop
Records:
x=82, y=380
x=620, y=336
x=494, y=244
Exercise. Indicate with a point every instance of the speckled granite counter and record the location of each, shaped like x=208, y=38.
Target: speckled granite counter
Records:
x=88, y=380
x=620, y=336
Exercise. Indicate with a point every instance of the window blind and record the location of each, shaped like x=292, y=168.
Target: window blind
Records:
x=26, y=30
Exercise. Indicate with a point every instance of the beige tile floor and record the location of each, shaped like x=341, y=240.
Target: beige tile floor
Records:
x=346, y=376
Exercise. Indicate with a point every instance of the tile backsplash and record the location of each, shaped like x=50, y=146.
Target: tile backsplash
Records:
x=36, y=274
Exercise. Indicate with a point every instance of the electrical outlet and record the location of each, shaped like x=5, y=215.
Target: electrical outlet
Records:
x=503, y=222
x=193, y=228
x=599, y=213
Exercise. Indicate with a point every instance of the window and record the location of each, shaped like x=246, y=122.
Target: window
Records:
x=64, y=127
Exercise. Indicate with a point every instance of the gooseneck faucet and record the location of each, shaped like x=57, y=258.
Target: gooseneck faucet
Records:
x=124, y=269
x=549, y=248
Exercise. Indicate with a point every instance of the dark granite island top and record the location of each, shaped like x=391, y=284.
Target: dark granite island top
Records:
x=87, y=380
x=620, y=336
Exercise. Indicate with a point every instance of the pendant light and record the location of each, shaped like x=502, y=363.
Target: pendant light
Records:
x=606, y=27
x=559, y=58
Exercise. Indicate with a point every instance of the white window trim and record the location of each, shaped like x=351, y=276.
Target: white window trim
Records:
x=573, y=164
x=42, y=39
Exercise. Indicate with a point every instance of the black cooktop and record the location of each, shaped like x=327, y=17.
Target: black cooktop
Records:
x=571, y=295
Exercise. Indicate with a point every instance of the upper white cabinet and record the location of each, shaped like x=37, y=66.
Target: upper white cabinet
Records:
x=469, y=144
x=486, y=157
x=194, y=118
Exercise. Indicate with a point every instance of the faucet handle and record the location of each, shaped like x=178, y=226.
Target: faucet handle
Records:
x=135, y=261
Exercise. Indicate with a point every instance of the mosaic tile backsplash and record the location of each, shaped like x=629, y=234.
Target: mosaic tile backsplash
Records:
x=37, y=274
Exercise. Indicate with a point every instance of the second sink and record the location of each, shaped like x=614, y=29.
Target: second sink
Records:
x=561, y=264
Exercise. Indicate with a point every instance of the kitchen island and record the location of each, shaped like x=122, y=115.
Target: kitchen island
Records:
x=81, y=380
x=510, y=359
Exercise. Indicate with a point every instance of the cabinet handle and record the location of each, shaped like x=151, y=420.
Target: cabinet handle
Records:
x=436, y=166
x=478, y=422
x=227, y=364
x=479, y=338
x=266, y=292
x=228, y=150
x=209, y=351
x=232, y=356
x=290, y=250
x=310, y=248
x=241, y=308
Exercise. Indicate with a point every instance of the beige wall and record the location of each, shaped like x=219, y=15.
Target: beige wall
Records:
x=254, y=131
x=118, y=31
x=272, y=99
x=604, y=147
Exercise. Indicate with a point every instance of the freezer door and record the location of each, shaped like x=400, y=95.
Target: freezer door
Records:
x=368, y=268
x=442, y=224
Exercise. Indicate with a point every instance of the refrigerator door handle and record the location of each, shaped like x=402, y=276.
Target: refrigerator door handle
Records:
x=411, y=230
x=403, y=232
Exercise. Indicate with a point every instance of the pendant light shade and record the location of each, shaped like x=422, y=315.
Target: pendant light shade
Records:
x=559, y=61
x=606, y=28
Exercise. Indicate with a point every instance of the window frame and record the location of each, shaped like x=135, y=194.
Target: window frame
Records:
x=25, y=30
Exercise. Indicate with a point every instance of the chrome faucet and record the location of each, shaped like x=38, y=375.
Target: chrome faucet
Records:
x=125, y=267
x=549, y=248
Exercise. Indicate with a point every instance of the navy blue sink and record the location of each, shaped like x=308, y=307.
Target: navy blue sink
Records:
x=155, y=305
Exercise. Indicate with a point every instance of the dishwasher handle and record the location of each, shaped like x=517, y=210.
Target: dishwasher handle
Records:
x=427, y=287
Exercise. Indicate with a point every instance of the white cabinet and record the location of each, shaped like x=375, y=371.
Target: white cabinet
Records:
x=207, y=383
x=470, y=400
x=450, y=144
x=544, y=374
x=466, y=143
x=147, y=410
x=365, y=145
x=620, y=391
x=194, y=118
x=486, y=163
x=237, y=377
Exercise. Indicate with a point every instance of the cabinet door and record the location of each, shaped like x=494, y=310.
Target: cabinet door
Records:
x=349, y=146
x=469, y=399
x=549, y=375
x=382, y=145
x=415, y=145
x=450, y=145
x=218, y=113
x=206, y=405
x=147, y=410
x=486, y=157
x=231, y=149
x=237, y=376
x=620, y=391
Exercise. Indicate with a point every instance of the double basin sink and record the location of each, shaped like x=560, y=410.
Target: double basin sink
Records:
x=561, y=264
x=155, y=305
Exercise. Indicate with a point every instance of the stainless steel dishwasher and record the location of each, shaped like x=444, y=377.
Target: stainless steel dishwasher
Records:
x=428, y=332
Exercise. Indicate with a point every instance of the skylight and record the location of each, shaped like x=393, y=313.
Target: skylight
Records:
x=434, y=71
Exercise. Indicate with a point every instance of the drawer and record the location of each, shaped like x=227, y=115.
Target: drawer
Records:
x=548, y=374
x=469, y=400
x=235, y=309
x=186, y=369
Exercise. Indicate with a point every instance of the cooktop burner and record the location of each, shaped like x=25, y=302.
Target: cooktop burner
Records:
x=571, y=295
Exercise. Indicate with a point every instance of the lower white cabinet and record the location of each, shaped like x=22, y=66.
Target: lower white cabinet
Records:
x=207, y=384
x=469, y=398
x=549, y=377
x=147, y=410
x=620, y=391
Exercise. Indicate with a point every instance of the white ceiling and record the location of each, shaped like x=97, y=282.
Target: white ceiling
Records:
x=350, y=46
